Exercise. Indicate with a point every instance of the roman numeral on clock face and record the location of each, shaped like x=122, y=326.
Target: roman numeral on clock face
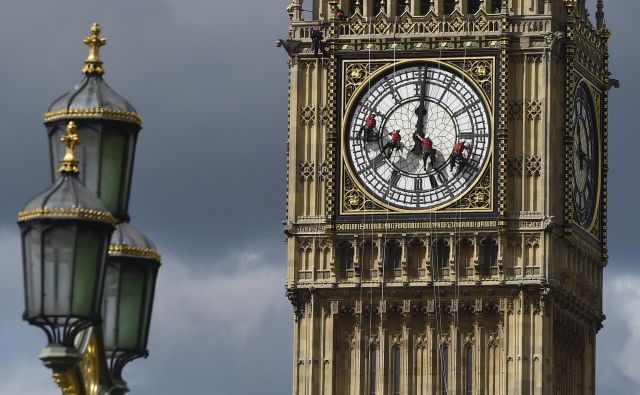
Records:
x=417, y=184
x=378, y=161
x=395, y=178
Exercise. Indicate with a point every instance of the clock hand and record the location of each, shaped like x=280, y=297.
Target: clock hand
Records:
x=421, y=112
x=582, y=156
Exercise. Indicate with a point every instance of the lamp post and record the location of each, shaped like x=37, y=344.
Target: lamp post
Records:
x=89, y=275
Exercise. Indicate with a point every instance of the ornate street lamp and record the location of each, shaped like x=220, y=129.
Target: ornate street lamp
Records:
x=132, y=268
x=107, y=124
x=90, y=292
x=65, y=235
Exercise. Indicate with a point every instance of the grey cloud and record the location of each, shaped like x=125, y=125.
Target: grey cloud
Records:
x=619, y=343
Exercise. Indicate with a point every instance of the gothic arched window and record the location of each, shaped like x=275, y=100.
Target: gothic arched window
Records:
x=352, y=7
x=400, y=7
x=464, y=256
x=449, y=6
x=469, y=371
x=377, y=7
x=424, y=6
x=440, y=253
x=474, y=6
x=396, y=370
x=496, y=6
x=488, y=254
x=345, y=256
x=444, y=360
x=372, y=370
x=394, y=255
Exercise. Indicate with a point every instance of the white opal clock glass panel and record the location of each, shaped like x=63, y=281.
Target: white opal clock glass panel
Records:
x=451, y=110
x=585, y=157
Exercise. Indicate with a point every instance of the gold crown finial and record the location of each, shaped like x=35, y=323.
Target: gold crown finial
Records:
x=69, y=164
x=93, y=64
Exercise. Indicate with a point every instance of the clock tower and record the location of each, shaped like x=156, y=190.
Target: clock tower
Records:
x=446, y=195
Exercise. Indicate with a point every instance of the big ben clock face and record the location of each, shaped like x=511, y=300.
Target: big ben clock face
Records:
x=585, y=157
x=422, y=101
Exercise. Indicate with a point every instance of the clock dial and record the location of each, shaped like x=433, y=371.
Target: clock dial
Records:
x=585, y=157
x=419, y=100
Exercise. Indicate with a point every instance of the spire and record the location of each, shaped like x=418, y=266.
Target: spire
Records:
x=600, y=14
x=93, y=64
x=69, y=164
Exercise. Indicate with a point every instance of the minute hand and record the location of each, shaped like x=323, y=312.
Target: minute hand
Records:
x=421, y=112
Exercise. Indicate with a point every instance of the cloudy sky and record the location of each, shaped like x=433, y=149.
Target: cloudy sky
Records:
x=207, y=79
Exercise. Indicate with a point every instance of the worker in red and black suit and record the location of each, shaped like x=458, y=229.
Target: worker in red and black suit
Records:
x=428, y=152
x=457, y=157
x=369, y=128
x=394, y=143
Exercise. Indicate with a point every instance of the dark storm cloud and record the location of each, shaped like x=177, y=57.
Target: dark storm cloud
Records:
x=211, y=88
x=209, y=181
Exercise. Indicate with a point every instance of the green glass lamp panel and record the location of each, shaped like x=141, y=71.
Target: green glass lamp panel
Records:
x=148, y=305
x=132, y=287
x=88, y=154
x=128, y=174
x=58, y=269
x=88, y=261
x=110, y=303
x=111, y=178
x=33, y=271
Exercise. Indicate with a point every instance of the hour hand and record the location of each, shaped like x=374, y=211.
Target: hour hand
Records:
x=417, y=138
x=421, y=113
x=582, y=156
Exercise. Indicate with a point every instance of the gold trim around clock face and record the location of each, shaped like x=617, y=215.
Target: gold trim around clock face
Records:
x=596, y=97
x=449, y=206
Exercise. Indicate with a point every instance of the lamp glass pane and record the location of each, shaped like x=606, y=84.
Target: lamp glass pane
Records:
x=110, y=303
x=59, y=245
x=148, y=305
x=57, y=150
x=88, y=154
x=128, y=162
x=111, y=179
x=33, y=272
x=88, y=262
x=132, y=283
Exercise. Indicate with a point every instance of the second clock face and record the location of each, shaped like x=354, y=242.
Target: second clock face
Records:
x=420, y=100
x=585, y=157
